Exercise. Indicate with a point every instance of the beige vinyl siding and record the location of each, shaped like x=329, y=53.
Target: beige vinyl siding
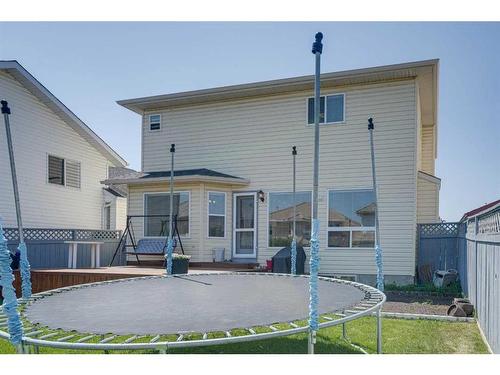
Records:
x=427, y=200
x=428, y=151
x=120, y=213
x=253, y=138
x=37, y=132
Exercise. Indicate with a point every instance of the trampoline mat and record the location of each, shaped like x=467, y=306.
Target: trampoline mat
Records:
x=188, y=303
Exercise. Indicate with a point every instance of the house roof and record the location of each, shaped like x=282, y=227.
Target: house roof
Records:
x=479, y=210
x=426, y=71
x=115, y=192
x=186, y=175
x=24, y=77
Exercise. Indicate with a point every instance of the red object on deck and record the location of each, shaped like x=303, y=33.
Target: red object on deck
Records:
x=269, y=265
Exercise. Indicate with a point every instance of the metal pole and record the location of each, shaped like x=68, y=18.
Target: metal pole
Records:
x=294, y=236
x=25, y=266
x=378, y=250
x=317, y=49
x=379, y=331
x=171, y=211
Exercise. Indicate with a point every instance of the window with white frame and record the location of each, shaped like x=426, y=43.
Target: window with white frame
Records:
x=156, y=210
x=281, y=218
x=351, y=218
x=154, y=122
x=107, y=217
x=63, y=172
x=216, y=215
x=331, y=109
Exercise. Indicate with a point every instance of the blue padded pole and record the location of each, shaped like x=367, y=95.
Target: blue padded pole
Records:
x=170, y=242
x=317, y=49
x=9, y=294
x=294, y=236
x=24, y=263
x=378, y=249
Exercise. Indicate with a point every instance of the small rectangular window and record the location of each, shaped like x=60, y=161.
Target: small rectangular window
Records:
x=73, y=174
x=56, y=170
x=331, y=109
x=154, y=122
x=216, y=215
x=107, y=217
x=157, y=209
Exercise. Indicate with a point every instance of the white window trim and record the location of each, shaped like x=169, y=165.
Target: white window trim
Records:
x=106, y=205
x=188, y=236
x=65, y=164
x=149, y=122
x=255, y=229
x=344, y=229
x=268, y=237
x=325, y=95
x=209, y=214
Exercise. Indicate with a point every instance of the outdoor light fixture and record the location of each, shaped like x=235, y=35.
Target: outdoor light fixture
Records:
x=261, y=195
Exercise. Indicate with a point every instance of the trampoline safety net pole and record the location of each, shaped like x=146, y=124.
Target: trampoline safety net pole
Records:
x=24, y=263
x=9, y=295
x=294, y=236
x=170, y=242
x=317, y=49
x=378, y=249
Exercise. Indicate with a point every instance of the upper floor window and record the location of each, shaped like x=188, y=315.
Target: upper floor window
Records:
x=331, y=109
x=154, y=122
x=63, y=172
x=351, y=218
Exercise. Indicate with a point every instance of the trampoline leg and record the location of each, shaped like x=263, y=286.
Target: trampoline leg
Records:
x=379, y=332
x=311, y=342
x=344, y=332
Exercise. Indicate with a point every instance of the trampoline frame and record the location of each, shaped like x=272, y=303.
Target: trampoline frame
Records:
x=31, y=341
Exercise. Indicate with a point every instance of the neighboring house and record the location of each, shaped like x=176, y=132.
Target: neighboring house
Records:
x=60, y=161
x=233, y=147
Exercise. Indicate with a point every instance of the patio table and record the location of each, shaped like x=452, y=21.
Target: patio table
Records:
x=95, y=253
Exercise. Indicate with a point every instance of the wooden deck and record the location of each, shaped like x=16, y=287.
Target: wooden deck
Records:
x=47, y=279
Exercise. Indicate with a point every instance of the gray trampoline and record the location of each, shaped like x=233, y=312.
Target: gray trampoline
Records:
x=191, y=310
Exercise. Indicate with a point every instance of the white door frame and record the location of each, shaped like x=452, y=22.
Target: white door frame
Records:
x=254, y=229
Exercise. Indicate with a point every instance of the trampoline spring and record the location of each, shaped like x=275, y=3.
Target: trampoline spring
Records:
x=48, y=335
x=34, y=333
x=108, y=339
x=204, y=336
x=272, y=328
x=327, y=318
x=66, y=338
x=86, y=338
x=228, y=334
x=155, y=339
x=359, y=308
x=180, y=338
x=293, y=325
x=351, y=312
x=130, y=339
x=252, y=332
x=340, y=315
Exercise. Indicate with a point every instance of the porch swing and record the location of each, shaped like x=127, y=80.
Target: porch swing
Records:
x=147, y=246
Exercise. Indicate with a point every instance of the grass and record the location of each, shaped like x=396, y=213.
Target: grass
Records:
x=399, y=337
x=452, y=290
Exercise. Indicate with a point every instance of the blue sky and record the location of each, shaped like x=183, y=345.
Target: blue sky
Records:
x=91, y=65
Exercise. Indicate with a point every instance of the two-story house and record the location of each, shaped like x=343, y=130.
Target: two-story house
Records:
x=60, y=161
x=233, y=167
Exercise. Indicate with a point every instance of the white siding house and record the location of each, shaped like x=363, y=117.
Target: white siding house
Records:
x=60, y=161
x=237, y=140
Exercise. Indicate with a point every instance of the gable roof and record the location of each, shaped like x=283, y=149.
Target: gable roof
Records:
x=478, y=210
x=24, y=77
x=426, y=71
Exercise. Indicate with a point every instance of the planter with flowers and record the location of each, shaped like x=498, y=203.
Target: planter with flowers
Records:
x=180, y=263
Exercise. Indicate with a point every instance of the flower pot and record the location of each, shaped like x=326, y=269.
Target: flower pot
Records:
x=180, y=266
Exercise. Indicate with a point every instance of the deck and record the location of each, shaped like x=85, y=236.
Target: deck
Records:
x=47, y=279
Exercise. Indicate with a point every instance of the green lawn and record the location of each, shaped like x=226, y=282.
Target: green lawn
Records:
x=399, y=337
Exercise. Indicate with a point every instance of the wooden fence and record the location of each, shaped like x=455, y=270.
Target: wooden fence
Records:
x=46, y=247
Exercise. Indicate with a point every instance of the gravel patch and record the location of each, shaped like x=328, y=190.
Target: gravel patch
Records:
x=416, y=304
